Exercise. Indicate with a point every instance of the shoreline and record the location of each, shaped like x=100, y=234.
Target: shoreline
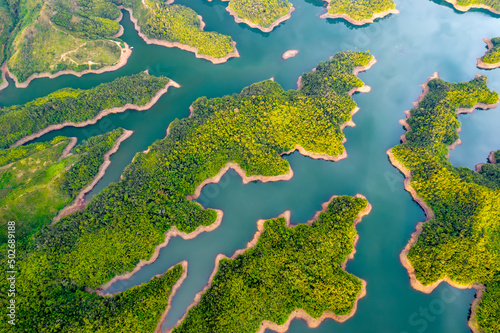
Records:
x=172, y=232
x=276, y=23
x=349, y=19
x=491, y=160
x=486, y=65
x=100, y=115
x=297, y=313
x=67, y=150
x=125, y=54
x=183, y=47
x=4, y=83
x=289, y=54
x=476, y=6
x=79, y=202
x=429, y=213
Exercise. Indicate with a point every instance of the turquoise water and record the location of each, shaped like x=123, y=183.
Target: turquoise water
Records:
x=426, y=37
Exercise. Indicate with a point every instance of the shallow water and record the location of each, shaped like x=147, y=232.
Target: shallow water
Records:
x=426, y=37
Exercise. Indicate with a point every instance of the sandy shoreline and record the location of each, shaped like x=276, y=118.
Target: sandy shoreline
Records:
x=289, y=54
x=67, y=150
x=477, y=6
x=277, y=22
x=172, y=232
x=126, y=53
x=100, y=115
x=349, y=19
x=297, y=313
x=3, y=70
x=184, y=47
x=79, y=202
x=485, y=65
x=430, y=214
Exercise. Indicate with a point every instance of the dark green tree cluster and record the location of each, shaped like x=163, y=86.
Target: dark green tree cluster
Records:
x=261, y=12
x=6, y=26
x=360, y=9
x=75, y=105
x=462, y=242
x=177, y=23
x=492, y=56
x=289, y=268
x=122, y=224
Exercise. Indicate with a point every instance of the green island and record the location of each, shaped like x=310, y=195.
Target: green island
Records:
x=125, y=222
x=286, y=272
x=359, y=12
x=465, y=5
x=260, y=14
x=459, y=243
x=174, y=25
x=492, y=57
x=67, y=106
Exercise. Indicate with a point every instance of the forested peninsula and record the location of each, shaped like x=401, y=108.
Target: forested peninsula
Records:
x=285, y=272
x=359, y=12
x=42, y=38
x=492, y=57
x=126, y=221
x=465, y=5
x=459, y=241
x=173, y=25
x=76, y=107
x=264, y=15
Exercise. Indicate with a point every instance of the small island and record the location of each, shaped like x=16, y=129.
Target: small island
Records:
x=124, y=224
x=285, y=272
x=492, y=57
x=458, y=243
x=289, y=54
x=264, y=15
x=465, y=5
x=359, y=12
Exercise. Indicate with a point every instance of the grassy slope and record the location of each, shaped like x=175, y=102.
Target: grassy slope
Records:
x=462, y=241
x=261, y=12
x=123, y=223
x=289, y=268
x=360, y=9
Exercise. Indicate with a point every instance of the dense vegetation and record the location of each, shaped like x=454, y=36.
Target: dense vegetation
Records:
x=462, y=241
x=35, y=184
x=261, y=12
x=492, y=56
x=495, y=4
x=6, y=26
x=176, y=23
x=123, y=223
x=289, y=268
x=360, y=9
x=75, y=105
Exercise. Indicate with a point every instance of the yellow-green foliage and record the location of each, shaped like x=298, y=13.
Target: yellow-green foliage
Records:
x=463, y=240
x=176, y=23
x=495, y=4
x=261, y=12
x=360, y=9
x=289, y=268
x=493, y=55
x=123, y=223
x=75, y=105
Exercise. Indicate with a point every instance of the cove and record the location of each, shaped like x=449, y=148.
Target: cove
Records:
x=425, y=37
